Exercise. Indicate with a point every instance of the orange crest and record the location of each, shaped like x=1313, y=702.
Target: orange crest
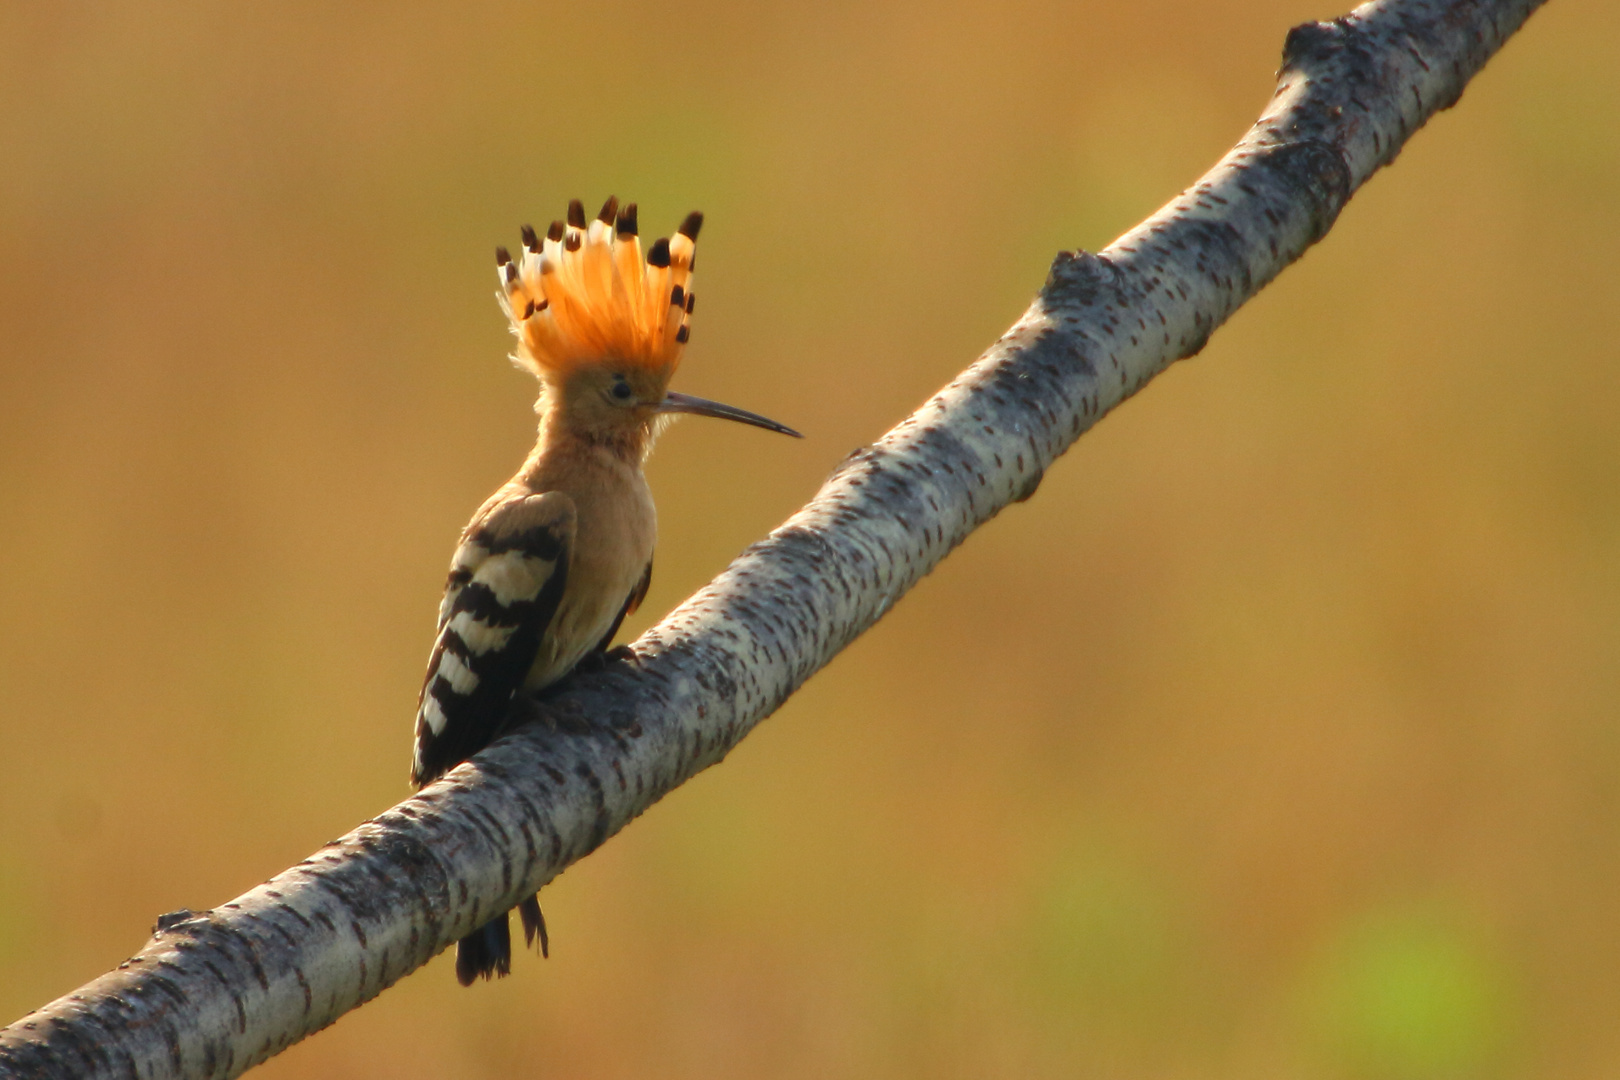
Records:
x=584, y=294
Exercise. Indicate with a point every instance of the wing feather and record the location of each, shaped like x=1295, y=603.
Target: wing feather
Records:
x=506, y=582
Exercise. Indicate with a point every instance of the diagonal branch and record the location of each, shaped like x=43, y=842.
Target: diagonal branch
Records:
x=215, y=993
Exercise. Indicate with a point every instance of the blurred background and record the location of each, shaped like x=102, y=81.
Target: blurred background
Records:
x=1276, y=736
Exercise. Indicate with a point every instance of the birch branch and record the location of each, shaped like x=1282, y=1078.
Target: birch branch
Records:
x=215, y=993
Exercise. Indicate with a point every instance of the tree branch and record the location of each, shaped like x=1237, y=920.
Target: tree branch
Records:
x=215, y=993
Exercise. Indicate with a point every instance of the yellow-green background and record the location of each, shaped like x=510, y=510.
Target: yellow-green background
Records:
x=1278, y=736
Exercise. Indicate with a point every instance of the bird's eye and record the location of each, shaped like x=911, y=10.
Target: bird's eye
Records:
x=621, y=390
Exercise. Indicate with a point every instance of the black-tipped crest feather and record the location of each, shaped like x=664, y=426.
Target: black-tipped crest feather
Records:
x=626, y=225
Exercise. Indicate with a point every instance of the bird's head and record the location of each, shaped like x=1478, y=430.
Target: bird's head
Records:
x=602, y=326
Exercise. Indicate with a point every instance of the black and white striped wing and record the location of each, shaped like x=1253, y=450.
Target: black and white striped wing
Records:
x=506, y=582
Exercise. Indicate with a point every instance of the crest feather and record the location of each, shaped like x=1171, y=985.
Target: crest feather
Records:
x=585, y=294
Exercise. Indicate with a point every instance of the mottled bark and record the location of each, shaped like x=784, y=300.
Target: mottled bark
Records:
x=214, y=993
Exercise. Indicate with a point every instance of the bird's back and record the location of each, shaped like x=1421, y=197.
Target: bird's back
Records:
x=544, y=574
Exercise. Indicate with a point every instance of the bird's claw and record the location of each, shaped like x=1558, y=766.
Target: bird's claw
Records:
x=621, y=654
x=599, y=661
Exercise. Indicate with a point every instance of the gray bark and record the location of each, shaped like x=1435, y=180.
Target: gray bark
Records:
x=215, y=993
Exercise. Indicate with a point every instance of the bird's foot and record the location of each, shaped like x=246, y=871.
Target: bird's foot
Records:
x=621, y=654
x=600, y=661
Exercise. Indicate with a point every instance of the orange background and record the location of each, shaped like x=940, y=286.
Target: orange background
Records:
x=1277, y=736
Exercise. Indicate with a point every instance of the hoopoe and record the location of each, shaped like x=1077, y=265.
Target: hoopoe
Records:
x=555, y=560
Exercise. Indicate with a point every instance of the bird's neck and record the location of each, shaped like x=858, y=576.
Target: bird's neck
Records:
x=564, y=456
x=562, y=426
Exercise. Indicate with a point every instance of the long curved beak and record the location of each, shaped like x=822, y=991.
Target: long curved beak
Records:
x=686, y=403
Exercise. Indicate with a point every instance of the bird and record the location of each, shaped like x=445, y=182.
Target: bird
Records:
x=556, y=559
